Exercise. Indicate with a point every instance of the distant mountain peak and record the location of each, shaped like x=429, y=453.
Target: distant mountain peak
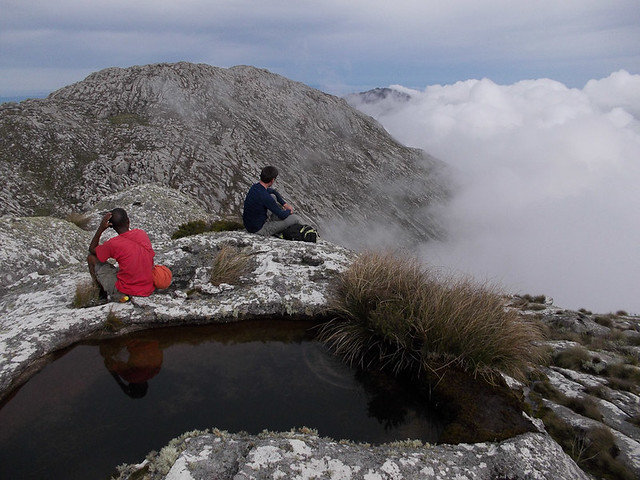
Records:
x=207, y=132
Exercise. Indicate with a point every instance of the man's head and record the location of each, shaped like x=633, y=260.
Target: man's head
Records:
x=119, y=220
x=268, y=174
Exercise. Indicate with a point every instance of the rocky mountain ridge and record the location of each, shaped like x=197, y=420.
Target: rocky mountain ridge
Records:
x=207, y=132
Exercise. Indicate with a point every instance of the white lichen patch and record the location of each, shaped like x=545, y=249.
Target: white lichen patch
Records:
x=300, y=448
x=263, y=456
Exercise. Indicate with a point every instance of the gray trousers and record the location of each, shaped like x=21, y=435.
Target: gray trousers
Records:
x=274, y=225
x=106, y=274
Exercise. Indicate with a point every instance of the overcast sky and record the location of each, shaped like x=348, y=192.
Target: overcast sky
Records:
x=339, y=46
x=534, y=103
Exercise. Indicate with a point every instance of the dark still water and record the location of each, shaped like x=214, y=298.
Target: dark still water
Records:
x=101, y=405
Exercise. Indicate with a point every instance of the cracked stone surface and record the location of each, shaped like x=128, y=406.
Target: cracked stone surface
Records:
x=304, y=455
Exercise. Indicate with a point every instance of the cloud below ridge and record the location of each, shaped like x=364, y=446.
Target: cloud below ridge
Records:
x=548, y=177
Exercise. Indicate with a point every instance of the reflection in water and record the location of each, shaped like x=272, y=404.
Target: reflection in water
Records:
x=70, y=421
x=134, y=362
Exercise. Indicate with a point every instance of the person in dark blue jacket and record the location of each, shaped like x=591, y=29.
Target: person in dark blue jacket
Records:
x=262, y=199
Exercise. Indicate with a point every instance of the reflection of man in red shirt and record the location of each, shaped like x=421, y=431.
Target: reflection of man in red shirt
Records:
x=133, y=361
x=133, y=252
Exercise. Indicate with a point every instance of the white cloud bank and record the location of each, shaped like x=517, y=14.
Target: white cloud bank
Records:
x=549, y=197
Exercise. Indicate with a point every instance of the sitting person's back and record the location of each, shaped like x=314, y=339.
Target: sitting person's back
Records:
x=265, y=212
x=131, y=249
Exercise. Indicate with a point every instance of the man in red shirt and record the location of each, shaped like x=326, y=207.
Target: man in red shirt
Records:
x=133, y=252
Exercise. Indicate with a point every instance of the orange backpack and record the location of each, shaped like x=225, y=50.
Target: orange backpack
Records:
x=161, y=277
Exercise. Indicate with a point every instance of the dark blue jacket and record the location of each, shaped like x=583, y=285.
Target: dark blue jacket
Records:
x=256, y=204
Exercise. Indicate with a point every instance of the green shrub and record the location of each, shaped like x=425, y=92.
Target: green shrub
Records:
x=191, y=228
x=229, y=265
x=226, y=225
x=391, y=312
x=200, y=226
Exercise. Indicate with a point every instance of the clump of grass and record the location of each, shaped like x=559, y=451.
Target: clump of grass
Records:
x=623, y=377
x=87, y=295
x=200, y=226
x=594, y=449
x=229, y=265
x=225, y=225
x=572, y=358
x=82, y=220
x=604, y=320
x=585, y=406
x=393, y=313
x=112, y=322
x=191, y=228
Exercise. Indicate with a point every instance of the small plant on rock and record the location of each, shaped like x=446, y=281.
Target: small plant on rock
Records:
x=226, y=225
x=112, y=322
x=391, y=312
x=200, y=226
x=229, y=265
x=87, y=295
x=191, y=228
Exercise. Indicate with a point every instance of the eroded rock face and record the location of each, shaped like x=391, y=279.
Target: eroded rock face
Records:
x=207, y=132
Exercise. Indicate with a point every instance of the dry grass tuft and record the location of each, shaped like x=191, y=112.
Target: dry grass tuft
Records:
x=391, y=312
x=229, y=265
x=87, y=295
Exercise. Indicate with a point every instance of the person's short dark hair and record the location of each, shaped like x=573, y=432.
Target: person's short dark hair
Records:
x=118, y=218
x=268, y=173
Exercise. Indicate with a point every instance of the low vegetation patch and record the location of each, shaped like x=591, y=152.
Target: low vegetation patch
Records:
x=393, y=313
x=585, y=406
x=87, y=295
x=575, y=358
x=619, y=376
x=197, y=227
x=530, y=302
x=623, y=377
x=593, y=449
x=229, y=265
x=113, y=323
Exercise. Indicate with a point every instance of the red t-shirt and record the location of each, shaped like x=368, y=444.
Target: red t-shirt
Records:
x=132, y=250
